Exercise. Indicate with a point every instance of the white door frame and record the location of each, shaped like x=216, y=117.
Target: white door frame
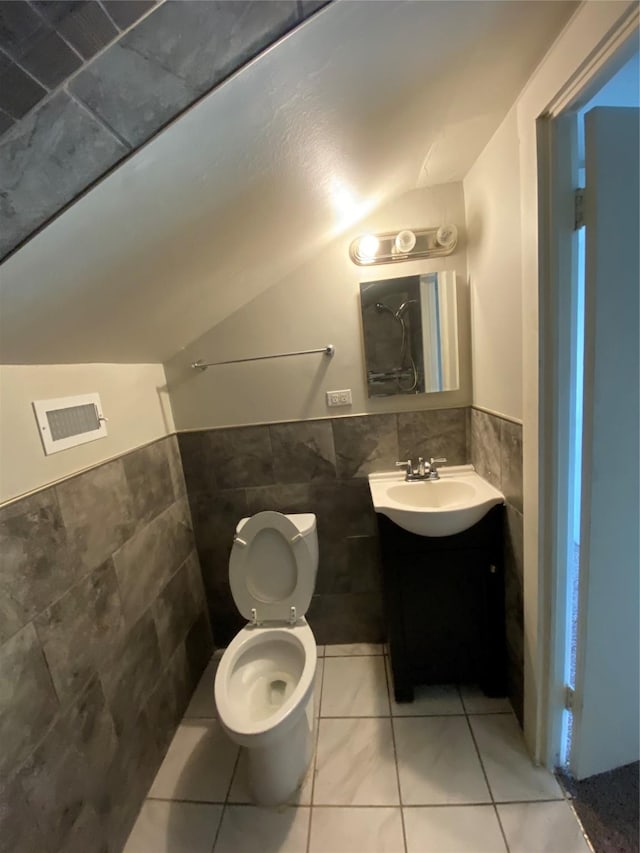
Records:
x=581, y=55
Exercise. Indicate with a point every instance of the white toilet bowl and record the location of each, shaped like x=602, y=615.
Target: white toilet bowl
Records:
x=265, y=680
x=264, y=695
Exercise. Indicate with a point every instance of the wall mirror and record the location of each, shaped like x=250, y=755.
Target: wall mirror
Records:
x=410, y=332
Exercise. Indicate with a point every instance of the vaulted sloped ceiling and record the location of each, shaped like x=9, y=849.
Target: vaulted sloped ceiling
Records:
x=361, y=103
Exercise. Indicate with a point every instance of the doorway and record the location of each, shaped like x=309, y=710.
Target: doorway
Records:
x=592, y=316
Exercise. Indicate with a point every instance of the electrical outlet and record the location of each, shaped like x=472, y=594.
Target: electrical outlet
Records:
x=339, y=398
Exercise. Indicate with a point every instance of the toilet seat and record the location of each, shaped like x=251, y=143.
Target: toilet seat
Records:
x=271, y=569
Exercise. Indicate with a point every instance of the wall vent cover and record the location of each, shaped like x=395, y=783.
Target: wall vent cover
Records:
x=65, y=422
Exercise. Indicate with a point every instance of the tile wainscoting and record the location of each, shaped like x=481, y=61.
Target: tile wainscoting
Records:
x=104, y=623
x=496, y=453
x=317, y=466
x=104, y=633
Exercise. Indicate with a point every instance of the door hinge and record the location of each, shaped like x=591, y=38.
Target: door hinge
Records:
x=578, y=208
x=569, y=697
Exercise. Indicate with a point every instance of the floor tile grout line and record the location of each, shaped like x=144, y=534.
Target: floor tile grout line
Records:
x=233, y=774
x=218, y=828
x=315, y=759
x=226, y=800
x=476, y=803
x=362, y=655
x=486, y=779
x=482, y=767
x=488, y=713
x=409, y=806
x=186, y=800
x=393, y=716
x=395, y=759
x=503, y=833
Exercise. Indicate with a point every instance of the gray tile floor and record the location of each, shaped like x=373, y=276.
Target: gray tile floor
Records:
x=445, y=774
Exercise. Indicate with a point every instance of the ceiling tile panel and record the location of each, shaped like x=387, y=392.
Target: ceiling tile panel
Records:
x=50, y=59
x=311, y=6
x=46, y=160
x=5, y=121
x=18, y=91
x=83, y=23
x=168, y=60
x=126, y=12
x=203, y=43
x=133, y=94
x=18, y=24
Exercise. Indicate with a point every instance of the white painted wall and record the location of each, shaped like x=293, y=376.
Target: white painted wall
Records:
x=133, y=397
x=492, y=205
x=316, y=305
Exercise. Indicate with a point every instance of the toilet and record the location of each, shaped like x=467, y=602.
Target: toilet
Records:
x=265, y=679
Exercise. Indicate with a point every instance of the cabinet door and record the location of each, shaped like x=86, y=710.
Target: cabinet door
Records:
x=444, y=598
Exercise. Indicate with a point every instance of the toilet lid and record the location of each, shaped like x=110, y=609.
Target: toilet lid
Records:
x=271, y=569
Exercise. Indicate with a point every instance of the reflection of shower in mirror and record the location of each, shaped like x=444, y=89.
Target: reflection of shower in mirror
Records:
x=405, y=353
x=410, y=333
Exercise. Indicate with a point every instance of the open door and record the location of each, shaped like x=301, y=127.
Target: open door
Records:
x=606, y=703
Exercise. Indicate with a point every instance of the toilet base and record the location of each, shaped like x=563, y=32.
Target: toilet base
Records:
x=277, y=771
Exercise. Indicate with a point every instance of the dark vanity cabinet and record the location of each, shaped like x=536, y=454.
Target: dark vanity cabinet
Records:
x=445, y=606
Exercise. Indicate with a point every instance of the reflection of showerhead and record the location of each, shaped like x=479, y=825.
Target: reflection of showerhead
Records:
x=404, y=307
x=397, y=315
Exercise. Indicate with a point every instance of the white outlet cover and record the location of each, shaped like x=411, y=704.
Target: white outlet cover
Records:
x=339, y=398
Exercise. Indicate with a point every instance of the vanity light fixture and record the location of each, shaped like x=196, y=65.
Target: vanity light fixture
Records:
x=404, y=245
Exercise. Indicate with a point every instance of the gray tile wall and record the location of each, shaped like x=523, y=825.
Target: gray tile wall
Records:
x=317, y=466
x=496, y=453
x=104, y=632
x=84, y=83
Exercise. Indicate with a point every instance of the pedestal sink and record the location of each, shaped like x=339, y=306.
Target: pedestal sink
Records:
x=455, y=502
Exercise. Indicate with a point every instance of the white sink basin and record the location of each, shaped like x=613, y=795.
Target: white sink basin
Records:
x=455, y=502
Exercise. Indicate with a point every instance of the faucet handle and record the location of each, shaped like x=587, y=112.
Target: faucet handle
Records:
x=408, y=466
x=433, y=471
x=433, y=463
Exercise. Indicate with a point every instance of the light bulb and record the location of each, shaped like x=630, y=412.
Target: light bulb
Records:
x=368, y=246
x=447, y=236
x=405, y=241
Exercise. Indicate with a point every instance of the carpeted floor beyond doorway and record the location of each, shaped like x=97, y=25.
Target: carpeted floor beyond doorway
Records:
x=607, y=805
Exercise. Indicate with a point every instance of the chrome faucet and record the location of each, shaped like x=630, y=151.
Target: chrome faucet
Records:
x=422, y=470
x=433, y=471
x=411, y=472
